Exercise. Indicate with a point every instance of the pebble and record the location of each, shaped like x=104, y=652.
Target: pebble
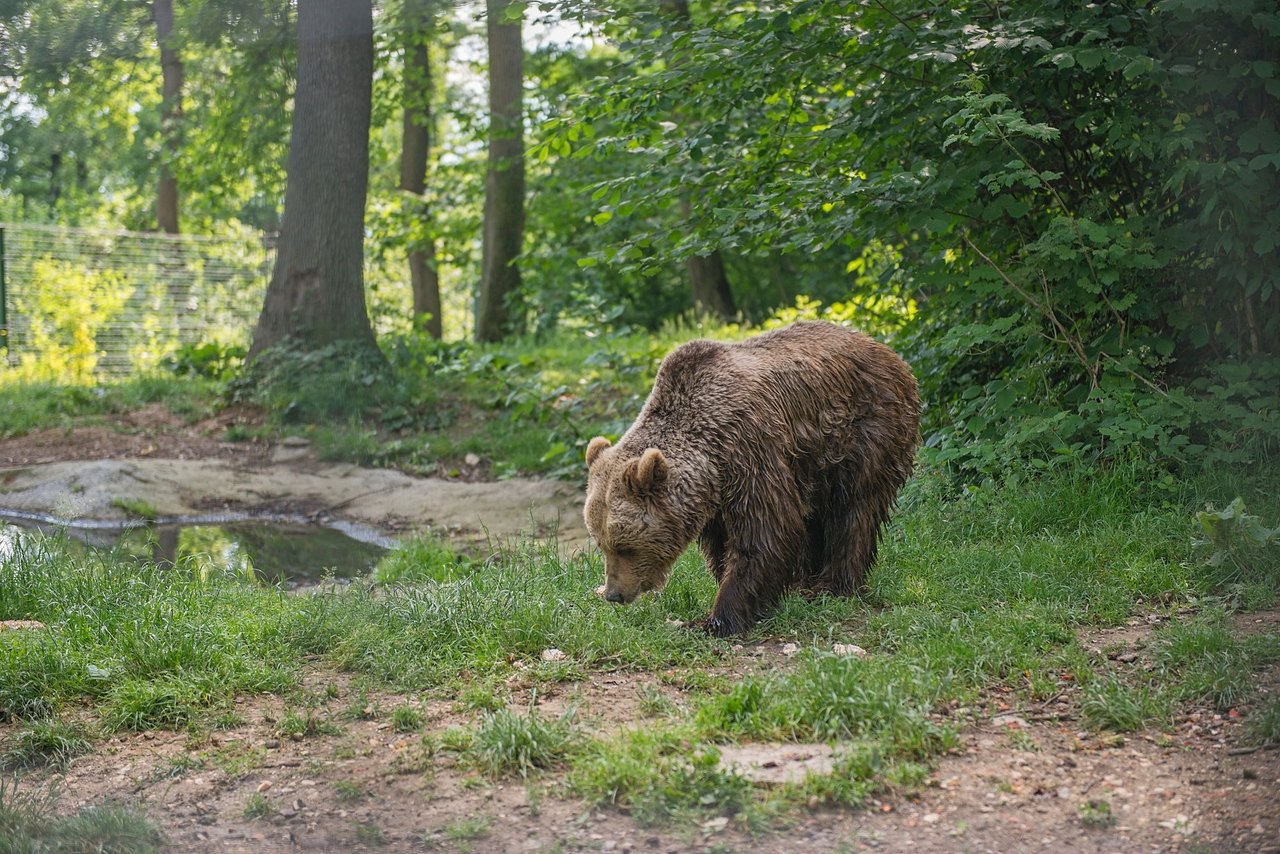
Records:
x=790, y=649
x=848, y=649
x=471, y=460
x=930, y=817
x=553, y=654
x=264, y=785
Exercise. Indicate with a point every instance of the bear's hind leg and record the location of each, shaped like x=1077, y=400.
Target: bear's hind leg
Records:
x=857, y=509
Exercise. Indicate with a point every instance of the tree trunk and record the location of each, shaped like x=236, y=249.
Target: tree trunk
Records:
x=414, y=155
x=170, y=116
x=711, y=292
x=504, y=180
x=316, y=294
x=707, y=278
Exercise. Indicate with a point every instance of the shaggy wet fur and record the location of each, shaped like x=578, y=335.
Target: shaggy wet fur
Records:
x=781, y=455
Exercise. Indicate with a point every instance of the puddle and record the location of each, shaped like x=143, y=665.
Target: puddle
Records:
x=276, y=550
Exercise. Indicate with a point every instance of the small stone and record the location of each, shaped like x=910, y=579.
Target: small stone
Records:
x=930, y=817
x=715, y=825
x=848, y=649
x=1009, y=721
x=295, y=442
x=553, y=654
x=264, y=785
x=790, y=649
x=813, y=802
x=271, y=743
x=19, y=625
x=471, y=460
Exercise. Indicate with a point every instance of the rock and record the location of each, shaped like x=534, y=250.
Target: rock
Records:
x=790, y=649
x=848, y=649
x=930, y=818
x=19, y=625
x=715, y=825
x=553, y=654
x=1010, y=721
x=471, y=460
x=264, y=785
x=271, y=743
x=295, y=442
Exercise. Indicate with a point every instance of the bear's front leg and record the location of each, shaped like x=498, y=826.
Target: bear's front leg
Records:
x=765, y=546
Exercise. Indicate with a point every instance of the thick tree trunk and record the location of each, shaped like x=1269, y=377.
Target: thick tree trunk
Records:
x=316, y=294
x=504, y=180
x=414, y=155
x=172, y=74
x=707, y=279
x=711, y=292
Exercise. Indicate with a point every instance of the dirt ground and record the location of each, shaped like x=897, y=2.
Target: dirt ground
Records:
x=1018, y=781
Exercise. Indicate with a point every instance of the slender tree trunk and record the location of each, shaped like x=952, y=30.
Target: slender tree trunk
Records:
x=707, y=279
x=414, y=154
x=316, y=294
x=504, y=180
x=172, y=74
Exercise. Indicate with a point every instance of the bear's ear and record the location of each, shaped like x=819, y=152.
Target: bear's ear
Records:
x=646, y=473
x=594, y=447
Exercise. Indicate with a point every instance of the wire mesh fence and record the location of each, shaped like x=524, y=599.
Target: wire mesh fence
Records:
x=84, y=302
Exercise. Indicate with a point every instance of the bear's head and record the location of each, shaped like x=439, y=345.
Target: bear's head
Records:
x=631, y=515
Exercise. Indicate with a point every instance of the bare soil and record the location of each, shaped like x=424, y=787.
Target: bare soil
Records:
x=1022, y=778
x=1013, y=784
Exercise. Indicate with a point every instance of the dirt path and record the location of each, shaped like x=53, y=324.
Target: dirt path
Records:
x=1010, y=786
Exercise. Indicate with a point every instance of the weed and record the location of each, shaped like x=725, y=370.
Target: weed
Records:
x=481, y=697
x=1109, y=703
x=298, y=725
x=406, y=719
x=257, y=807
x=510, y=743
x=654, y=703
x=350, y=791
x=370, y=834
x=658, y=775
x=1264, y=725
x=137, y=507
x=423, y=558
x=237, y=759
x=1096, y=814
x=30, y=823
x=45, y=742
x=472, y=827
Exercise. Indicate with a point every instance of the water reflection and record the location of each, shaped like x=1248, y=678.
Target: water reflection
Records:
x=271, y=552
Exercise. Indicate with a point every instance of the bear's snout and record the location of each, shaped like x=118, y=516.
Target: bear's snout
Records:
x=615, y=596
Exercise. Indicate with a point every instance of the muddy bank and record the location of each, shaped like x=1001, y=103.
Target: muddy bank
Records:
x=396, y=503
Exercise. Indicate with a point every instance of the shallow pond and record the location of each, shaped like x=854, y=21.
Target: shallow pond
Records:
x=279, y=550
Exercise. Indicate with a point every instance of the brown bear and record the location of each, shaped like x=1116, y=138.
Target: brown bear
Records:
x=782, y=455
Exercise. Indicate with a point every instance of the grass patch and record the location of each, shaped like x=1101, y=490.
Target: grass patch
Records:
x=1110, y=703
x=507, y=743
x=48, y=742
x=30, y=823
x=658, y=775
x=1263, y=727
x=423, y=558
x=27, y=406
x=257, y=807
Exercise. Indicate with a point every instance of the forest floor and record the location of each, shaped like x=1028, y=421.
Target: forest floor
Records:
x=341, y=760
